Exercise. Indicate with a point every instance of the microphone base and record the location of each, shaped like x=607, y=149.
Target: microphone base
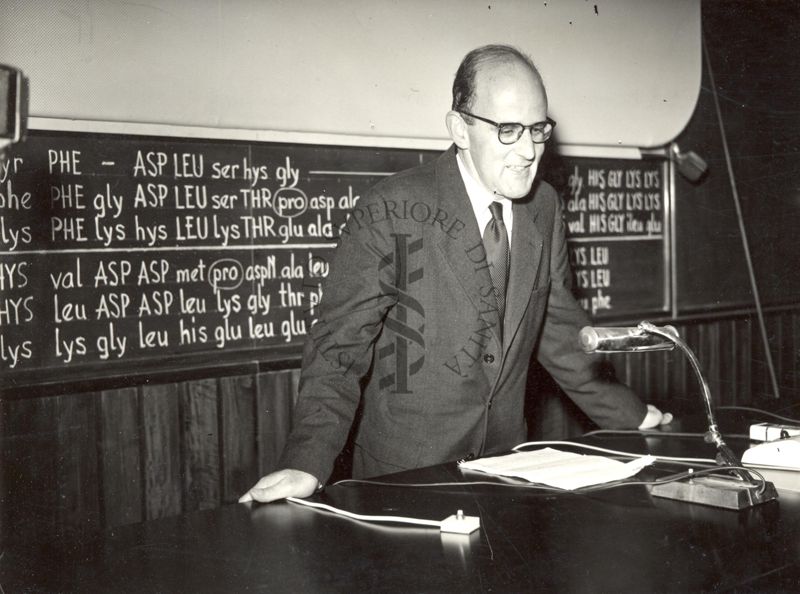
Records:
x=717, y=491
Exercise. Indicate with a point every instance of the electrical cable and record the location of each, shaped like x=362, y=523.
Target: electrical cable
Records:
x=647, y=432
x=537, y=486
x=363, y=517
x=760, y=411
x=521, y=484
x=517, y=448
x=679, y=477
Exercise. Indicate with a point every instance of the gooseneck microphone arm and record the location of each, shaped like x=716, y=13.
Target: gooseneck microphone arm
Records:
x=739, y=491
x=725, y=456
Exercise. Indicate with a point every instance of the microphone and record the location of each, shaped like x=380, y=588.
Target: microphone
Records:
x=625, y=340
x=738, y=493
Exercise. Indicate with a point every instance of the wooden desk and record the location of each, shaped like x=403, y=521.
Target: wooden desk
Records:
x=619, y=540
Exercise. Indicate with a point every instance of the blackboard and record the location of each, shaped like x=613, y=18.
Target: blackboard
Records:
x=616, y=214
x=126, y=254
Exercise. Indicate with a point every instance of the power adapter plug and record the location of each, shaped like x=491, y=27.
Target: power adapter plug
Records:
x=460, y=524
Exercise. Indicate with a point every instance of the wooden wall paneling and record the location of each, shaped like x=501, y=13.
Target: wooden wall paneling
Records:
x=788, y=356
x=30, y=451
x=744, y=354
x=647, y=373
x=795, y=356
x=646, y=389
x=120, y=453
x=672, y=391
x=761, y=389
x=238, y=422
x=200, y=445
x=773, y=343
x=275, y=398
x=626, y=371
x=672, y=376
x=637, y=363
x=620, y=365
x=766, y=388
x=649, y=384
x=709, y=355
x=667, y=368
x=693, y=393
x=710, y=361
x=744, y=363
x=679, y=376
x=658, y=374
x=775, y=332
x=716, y=353
x=727, y=362
x=672, y=361
x=792, y=355
x=785, y=355
x=663, y=375
x=78, y=481
x=730, y=362
x=632, y=364
x=161, y=450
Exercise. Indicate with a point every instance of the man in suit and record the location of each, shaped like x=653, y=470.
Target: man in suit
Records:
x=447, y=279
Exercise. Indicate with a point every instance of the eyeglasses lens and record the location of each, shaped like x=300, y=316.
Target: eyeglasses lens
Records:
x=511, y=133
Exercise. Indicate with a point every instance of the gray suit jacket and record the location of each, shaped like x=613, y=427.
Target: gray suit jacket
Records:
x=408, y=326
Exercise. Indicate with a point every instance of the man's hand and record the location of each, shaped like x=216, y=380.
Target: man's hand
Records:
x=281, y=484
x=654, y=418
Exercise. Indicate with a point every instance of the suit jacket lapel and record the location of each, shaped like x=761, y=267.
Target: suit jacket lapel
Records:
x=526, y=255
x=464, y=253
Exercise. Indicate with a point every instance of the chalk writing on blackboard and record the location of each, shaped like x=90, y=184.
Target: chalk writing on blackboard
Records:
x=134, y=248
x=616, y=226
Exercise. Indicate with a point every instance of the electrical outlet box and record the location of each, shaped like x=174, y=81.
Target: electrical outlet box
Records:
x=460, y=524
x=772, y=431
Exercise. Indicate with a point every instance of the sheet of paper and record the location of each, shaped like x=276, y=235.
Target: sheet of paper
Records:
x=564, y=470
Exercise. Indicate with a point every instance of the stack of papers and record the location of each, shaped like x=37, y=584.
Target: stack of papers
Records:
x=563, y=470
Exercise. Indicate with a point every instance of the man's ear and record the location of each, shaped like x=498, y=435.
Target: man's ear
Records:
x=457, y=128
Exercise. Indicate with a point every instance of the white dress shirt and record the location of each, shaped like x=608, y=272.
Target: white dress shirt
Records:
x=481, y=198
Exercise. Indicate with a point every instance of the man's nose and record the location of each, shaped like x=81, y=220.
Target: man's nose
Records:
x=525, y=147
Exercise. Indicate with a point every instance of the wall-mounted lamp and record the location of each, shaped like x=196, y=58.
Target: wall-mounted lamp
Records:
x=690, y=164
x=13, y=106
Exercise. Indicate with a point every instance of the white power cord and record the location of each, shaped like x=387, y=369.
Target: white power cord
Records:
x=365, y=518
x=458, y=523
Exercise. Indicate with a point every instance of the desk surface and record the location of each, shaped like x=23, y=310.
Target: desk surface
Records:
x=618, y=540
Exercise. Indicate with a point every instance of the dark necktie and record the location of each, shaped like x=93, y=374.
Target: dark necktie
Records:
x=495, y=241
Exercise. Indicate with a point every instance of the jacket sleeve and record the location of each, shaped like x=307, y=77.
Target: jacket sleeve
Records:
x=610, y=404
x=357, y=295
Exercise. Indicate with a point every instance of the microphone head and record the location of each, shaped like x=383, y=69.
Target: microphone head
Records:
x=624, y=339
x=589, y=339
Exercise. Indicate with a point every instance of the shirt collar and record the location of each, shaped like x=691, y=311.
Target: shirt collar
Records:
x=481, y=198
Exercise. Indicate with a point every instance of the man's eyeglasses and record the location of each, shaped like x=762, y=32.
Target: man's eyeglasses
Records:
x=511, y=132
